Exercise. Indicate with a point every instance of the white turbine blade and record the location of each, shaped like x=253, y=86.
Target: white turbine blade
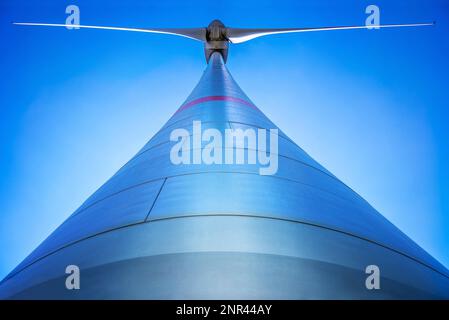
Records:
x=191, y=33
x=237, y=35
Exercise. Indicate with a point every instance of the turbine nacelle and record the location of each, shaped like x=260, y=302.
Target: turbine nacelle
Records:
x=216, y=40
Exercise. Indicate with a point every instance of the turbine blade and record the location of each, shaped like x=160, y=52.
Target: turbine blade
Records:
x=191, y=33
x=238, y=35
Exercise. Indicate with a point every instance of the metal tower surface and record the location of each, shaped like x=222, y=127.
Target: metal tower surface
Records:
x=156, y=230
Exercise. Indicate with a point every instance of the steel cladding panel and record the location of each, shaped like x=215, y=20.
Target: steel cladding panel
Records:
x=225, y=257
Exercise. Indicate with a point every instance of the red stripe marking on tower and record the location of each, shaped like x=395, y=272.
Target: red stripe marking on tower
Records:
x=216, y=98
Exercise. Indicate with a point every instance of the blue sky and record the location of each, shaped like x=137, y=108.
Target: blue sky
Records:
x=371, y=106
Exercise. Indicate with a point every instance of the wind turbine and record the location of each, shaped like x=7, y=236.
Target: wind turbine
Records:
x=216, y=36
x=156, y=230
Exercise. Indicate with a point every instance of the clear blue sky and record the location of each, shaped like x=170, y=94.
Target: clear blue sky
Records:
x=371, y=106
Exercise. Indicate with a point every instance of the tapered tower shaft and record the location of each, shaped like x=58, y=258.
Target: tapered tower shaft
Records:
x=202, y=231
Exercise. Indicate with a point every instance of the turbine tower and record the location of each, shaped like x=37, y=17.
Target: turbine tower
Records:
x=158, y=230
